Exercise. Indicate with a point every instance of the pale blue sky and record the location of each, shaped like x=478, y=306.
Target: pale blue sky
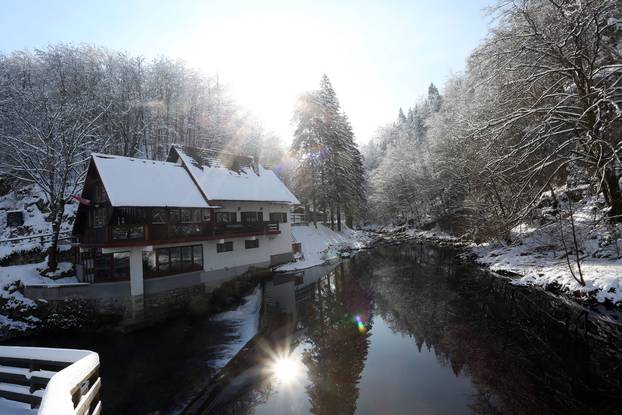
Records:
x=380, y=55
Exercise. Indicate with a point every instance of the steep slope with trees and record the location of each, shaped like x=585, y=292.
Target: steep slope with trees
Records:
x=529, y=137
x=60, y=104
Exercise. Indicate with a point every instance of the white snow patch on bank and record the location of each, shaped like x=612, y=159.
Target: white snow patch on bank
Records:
x=29, y=274
x=245, y=322
x=537, y=254
x=323, y=244
x=434, y=234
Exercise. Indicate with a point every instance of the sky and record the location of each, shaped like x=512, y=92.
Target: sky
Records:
x=379, y=55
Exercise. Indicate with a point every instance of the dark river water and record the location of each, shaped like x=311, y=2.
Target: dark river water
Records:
x=395, y=330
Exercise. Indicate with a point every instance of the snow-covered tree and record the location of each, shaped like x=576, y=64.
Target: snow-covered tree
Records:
x=331, y=174
x=48, y=127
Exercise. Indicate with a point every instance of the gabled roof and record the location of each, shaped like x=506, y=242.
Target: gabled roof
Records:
x=227, y=177
x=131, y=182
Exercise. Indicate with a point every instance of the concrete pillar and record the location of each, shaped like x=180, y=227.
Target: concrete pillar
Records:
x=136, y=272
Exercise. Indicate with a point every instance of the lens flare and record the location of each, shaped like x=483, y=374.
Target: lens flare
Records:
x=359, y=324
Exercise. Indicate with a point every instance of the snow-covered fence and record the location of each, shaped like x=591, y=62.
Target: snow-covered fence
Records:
x=36, y=238
x=58, y=381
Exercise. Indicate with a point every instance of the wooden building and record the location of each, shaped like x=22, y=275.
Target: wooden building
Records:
x=201, y=213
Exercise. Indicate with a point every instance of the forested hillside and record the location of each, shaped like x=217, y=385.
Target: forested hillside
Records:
x=60, y=104
x=537, y=107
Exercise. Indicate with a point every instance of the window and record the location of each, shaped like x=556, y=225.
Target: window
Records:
x=128, y=216
x=102, y=265
x=174, y=215
x=251, y=243
x=109, y=267
x=280, y=217
x=190, y=215
x=252, y=217
x=196, y=215
x=121, y=265
x=122, y=232
x=186, y=229
x=150, y=268
x=226, y=217
x=100, y=193
x=163, y=255
x=159, y=216
x=186, y=257
x=174, y=260
x=99, y=217
x=197, y=257
x=224, y=247
x=207, y=215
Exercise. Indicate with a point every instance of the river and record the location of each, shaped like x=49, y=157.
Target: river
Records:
x=394, y=330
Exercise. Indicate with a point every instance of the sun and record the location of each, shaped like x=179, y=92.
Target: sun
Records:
x=265, y=61
x=286, y=369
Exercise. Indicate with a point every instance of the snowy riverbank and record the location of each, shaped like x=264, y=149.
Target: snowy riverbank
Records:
x=399, y=234
x=322, y=244
x=540, y=256
x=244, y=324
x=536, y=254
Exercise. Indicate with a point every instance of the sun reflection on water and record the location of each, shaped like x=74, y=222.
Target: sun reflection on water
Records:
x=286, y=369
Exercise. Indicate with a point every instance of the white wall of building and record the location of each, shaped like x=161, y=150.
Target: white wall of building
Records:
x=268, y=244
x=240, y=256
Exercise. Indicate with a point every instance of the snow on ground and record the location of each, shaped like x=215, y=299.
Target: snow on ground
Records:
x=245, y=322
x=29, y=274
x=15, y=309
x=433, y=234
x=404, y=232
x=537, y=254
x=28, y=199
x=323, y=244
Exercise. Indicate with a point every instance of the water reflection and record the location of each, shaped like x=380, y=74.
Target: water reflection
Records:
x=286, y=369
x=410, y=330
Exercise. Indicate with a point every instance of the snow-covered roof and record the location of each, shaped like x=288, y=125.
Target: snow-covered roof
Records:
x=137, y=182
x=224, y=177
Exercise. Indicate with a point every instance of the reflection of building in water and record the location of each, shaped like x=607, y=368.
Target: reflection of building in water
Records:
x=285, y=292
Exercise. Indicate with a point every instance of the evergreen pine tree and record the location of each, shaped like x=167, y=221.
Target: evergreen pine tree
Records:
x=434, y=98
x=330, y=161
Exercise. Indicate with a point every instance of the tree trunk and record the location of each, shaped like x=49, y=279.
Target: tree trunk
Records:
x=613, y=195
x=349, y=219
x=339, y=217
x=57, y=221
x=332, y=217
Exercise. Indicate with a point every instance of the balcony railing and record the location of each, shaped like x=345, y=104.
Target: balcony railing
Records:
x=57, y=381
x=164, y=232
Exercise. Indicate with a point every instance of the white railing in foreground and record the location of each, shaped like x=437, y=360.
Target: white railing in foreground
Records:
x=58, y=381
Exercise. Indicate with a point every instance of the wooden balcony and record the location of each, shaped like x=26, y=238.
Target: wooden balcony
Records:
x=166, y=233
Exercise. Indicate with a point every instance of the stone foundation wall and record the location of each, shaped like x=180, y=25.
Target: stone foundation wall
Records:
x=98, y=306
